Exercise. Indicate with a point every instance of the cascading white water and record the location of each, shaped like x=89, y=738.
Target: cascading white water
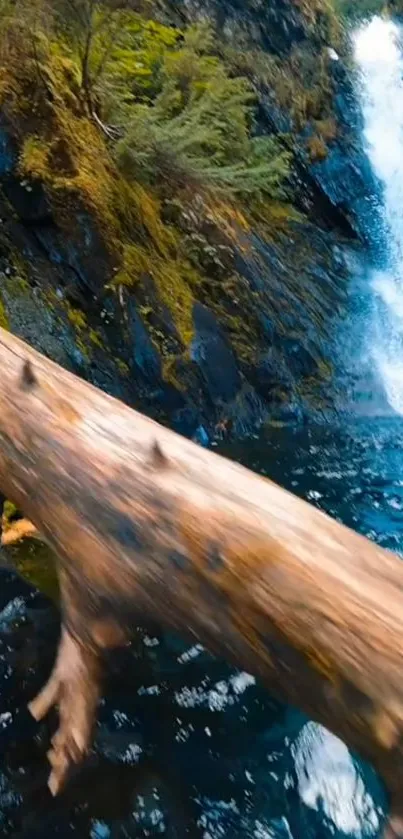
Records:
x=380, y=60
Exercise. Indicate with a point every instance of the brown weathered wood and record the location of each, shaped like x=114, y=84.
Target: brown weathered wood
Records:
x=147, y=524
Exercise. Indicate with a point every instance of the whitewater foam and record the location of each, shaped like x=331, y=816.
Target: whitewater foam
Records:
x=380, y=89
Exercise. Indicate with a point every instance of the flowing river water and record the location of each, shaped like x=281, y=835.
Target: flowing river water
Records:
x=185, y=745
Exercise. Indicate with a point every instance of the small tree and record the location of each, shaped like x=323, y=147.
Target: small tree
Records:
x=198, y=128
x=91, y=28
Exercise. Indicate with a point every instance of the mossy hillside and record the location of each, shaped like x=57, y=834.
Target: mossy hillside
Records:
x=63, y=149
x=199, y=127
x=236, y=305
x=66, y=152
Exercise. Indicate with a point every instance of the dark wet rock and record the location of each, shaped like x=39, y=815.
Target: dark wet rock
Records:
x=299, y=359
x=345, y=177
x=289, y=413
x=214, y=356
x=270, y=26
x=201, y=436
x=29, y=201
x=273, y=372
x=8, y=151
x=349, y=184
x=145, y=355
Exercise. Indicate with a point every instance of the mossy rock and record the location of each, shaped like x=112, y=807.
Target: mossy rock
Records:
x=4, y=321
x=36, y=563
x=33, y=560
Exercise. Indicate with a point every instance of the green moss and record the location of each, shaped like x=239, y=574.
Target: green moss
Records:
x=83, y=347
x=4, y=322
x=36, y=563
x=272, y=218
x=15, y=282
x=9, y=511
x=145, y=311
x=175, y=282
x=122, y=211
x=76, y=318
x=34, y=158
x=33, y=560
x=174, y=279
x=84, y=337
x=18, y=284
x=95, y=338
x=65, y=149
x=325, y=370
x=241, y=333
x=170, y=371
x=362, y=8
x=50, y=299
x=135, y=264
x=123, y=368
x=311, y=8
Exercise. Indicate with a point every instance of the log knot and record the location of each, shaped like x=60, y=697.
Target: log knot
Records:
x=158, y=458
x=28, y=378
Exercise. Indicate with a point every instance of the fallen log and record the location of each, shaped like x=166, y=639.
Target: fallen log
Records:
x=146, y=524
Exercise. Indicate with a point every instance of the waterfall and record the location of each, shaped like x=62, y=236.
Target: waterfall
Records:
x=379, y=58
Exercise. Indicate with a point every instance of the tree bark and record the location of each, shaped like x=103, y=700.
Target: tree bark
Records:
x=146, y=524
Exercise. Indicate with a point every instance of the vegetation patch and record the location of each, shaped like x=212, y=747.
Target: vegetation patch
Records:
x=76, y=318
x=34, y=158
x=4, y=322
x=317, y=149
x=119, y=116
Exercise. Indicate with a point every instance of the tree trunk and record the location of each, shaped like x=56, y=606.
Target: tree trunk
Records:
x=147, y=524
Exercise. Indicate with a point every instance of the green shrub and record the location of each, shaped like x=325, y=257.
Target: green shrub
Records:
x=199, y=128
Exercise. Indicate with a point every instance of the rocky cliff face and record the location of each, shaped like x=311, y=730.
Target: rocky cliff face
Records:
x=247, y=336
x=299, y=59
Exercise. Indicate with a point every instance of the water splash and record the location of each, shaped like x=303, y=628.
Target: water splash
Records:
x=379, y=58
x=329, y=781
